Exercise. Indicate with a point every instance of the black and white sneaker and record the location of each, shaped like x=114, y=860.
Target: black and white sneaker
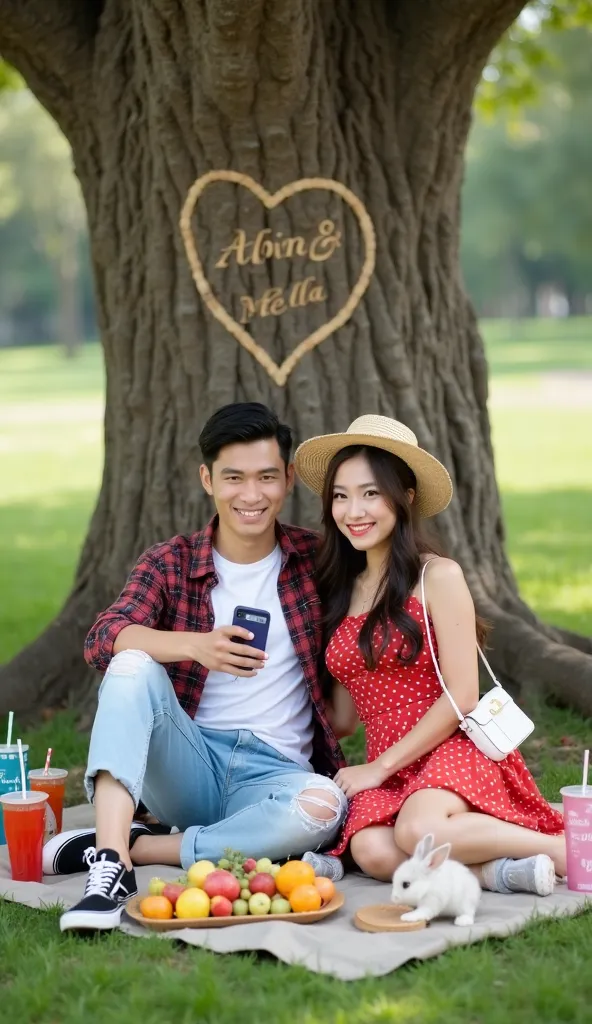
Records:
x=109, y=886
x=65, y=854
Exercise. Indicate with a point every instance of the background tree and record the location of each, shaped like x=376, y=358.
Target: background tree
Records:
x=43, y=259
x=151, y=93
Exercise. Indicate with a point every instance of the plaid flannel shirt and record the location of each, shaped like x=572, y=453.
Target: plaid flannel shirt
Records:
x=170, y=588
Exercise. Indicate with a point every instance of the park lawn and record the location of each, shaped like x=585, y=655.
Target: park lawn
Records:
x=50, y=464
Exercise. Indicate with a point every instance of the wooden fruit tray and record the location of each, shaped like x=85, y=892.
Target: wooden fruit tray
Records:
x=174, y=924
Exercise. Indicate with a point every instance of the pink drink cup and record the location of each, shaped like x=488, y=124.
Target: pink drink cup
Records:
x=577, y=814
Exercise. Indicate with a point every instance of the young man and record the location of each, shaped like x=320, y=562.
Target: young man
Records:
x=226, y=742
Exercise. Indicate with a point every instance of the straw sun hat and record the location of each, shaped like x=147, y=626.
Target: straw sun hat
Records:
x=434, y=486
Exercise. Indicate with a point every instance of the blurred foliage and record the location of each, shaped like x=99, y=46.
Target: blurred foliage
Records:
x=512, y=77
x=527, y=215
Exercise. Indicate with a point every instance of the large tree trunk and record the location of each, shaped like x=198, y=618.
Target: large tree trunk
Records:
x=375, y=94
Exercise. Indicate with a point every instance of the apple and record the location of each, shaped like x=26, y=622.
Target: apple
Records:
x=156, y=886
x=280, y=906
x=251, y=874
x=222, y=883
x=249, y=865
x=259, y=903
x=245, y=893
x=263, y=882
x=172, y=891
x=263, y=865
x=220, y=907
x=274, y=869
x=240, y=908
x=198, y=872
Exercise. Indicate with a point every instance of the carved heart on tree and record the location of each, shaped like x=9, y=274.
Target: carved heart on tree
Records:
x=279, y=374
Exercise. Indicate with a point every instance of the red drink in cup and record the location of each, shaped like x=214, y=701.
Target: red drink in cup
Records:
x=54, y=784
x=24, y=824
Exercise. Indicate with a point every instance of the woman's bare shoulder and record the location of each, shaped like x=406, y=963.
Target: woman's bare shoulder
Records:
x=442, y=570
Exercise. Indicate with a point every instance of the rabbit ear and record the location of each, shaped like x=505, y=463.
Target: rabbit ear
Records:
x=423, y=847
x=436, y=857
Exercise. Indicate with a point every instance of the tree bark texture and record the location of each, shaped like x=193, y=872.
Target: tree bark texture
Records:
x=376, y=94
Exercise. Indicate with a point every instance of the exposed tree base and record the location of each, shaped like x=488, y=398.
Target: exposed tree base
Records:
x=51, y=671
x=525, y=657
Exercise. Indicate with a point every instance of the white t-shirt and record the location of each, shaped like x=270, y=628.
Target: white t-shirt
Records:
x=275, y=704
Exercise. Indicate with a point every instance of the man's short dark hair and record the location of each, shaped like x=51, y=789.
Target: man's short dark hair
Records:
x=242, y=422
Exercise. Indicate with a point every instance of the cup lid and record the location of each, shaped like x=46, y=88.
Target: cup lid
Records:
x=53, y=773
x=12, y=748
x=584, y=793
x=31, y=797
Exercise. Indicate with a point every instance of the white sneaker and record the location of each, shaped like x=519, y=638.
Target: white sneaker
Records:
x=65, y=854
x=530, y=874
x=325, y=866
x=108, y=888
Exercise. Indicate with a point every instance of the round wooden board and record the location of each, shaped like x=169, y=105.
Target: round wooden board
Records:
x=174, y=924
x=385, y=917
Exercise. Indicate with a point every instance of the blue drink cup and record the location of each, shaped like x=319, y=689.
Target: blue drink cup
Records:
x=10, y=775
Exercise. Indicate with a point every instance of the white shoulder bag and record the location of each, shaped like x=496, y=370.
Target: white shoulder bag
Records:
x=496, y=726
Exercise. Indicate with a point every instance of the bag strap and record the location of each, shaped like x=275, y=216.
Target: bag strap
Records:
x=459, y=713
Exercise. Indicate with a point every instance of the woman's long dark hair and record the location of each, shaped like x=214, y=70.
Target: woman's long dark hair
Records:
x=339, y=564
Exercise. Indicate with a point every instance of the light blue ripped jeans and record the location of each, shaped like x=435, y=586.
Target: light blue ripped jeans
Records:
x=221, y=789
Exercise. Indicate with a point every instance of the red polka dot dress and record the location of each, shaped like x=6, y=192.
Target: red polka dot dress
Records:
x=390, y=700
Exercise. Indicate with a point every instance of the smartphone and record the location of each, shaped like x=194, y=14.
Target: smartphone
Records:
x=255, y=620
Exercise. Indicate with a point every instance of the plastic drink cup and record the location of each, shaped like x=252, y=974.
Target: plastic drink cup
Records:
x=10, y=775
x=24, y=823
x=577, y=814
x=54, y=784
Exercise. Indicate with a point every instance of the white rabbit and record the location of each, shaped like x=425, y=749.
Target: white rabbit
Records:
x=436, y=886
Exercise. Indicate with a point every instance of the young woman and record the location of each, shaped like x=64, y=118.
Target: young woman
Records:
x=422, y=774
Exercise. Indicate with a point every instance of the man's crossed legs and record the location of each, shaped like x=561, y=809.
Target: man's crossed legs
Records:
x=220, y=789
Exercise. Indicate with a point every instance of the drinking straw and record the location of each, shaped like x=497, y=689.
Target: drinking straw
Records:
x=585, y=772
x=47, y=760
x=9, y=733
x=22, y=761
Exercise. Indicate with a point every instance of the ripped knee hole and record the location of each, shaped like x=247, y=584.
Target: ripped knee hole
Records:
x=320, y=805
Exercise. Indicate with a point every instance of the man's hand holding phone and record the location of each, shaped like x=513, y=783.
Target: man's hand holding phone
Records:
x=218, y=651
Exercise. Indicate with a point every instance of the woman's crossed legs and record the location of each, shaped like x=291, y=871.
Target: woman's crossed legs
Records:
x=476, y=838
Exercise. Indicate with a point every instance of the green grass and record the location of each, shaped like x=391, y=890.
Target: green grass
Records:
x=50, y=466
x=31, y=374
x=543, y=975
x=530, y=347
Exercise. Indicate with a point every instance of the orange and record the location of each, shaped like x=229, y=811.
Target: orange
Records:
x=326, y=889
x=305, y=897
x=295, y=872
x=157, y=907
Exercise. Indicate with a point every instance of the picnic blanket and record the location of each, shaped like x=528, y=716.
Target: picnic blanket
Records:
x=333, y=946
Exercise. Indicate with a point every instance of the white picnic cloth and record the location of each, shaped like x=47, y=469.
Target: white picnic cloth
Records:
x=333, y=946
